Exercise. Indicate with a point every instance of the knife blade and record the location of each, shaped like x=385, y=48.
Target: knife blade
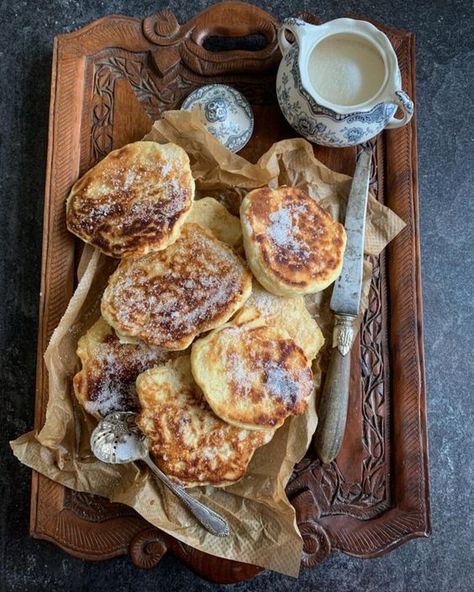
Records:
x=345, y=300
x=345, y=297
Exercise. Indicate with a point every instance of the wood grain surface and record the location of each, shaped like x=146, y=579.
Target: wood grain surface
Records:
x=111, y=80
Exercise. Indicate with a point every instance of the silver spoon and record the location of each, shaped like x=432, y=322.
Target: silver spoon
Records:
x=118, y=440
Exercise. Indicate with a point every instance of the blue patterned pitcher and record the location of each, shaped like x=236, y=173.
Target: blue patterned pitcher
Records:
x=339, y=84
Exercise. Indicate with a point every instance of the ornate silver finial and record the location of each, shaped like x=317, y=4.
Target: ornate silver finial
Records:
x=343, y=334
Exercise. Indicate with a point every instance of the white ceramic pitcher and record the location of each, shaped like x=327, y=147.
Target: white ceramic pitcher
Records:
x=339, y=84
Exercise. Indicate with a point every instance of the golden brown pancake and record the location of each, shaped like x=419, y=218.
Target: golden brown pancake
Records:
x=188, y=441
x=252, y=375
x=106, y=382
x=169, y=297
x=289, y=314
x=292, y=245
x=134, y=201
x=211, y=214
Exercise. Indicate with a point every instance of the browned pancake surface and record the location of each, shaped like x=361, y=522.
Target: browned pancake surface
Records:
x=134, y=200
x=169, y=297
x=252, y=375
x=188, y=441
x=290, y=240
x=106, y=381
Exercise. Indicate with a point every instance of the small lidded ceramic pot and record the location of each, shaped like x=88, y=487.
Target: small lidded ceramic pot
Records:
x=225, y=113
x=339, y=84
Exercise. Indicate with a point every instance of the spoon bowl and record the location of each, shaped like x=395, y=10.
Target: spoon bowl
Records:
x=118, y=440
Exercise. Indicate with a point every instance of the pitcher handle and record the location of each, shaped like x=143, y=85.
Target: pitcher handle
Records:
x=297, y=27
x=402, y=100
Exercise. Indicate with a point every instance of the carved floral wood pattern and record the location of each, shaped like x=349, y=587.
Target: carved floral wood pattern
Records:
x=375, y=495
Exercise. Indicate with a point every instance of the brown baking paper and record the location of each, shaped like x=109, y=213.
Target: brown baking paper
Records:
x=262, y=521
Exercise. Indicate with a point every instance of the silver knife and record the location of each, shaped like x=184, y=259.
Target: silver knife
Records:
x=345, y=300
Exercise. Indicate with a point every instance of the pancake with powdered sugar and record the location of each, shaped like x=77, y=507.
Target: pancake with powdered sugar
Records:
x=170, y=297
x=253, y=375
x=293, y=246
x=106, y=381
x=134, y=201
x=187, y=440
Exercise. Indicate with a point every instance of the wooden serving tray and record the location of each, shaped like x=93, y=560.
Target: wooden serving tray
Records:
x=111, y=80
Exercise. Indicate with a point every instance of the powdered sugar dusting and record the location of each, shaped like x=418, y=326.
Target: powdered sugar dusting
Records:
x=131, y=176
x=261, y=371
x=239, y=372
x=113, y=396
x=280, y=383
x=169, y=295
x=284, y=231
x=111, y=373
x=265, y=302
x=280, y=230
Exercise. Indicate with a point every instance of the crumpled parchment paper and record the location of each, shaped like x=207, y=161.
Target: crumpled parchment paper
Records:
x=262, y=521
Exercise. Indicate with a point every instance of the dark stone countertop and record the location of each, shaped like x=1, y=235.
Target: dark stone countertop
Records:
x=445, y=91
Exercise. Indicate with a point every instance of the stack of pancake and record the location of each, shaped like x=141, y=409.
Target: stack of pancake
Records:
x=204, y=331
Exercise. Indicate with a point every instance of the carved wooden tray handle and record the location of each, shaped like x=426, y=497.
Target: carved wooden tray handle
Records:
x=147, y=548
x=230, y=19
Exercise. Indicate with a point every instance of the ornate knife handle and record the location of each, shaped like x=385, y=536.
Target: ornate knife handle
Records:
x=332, y=409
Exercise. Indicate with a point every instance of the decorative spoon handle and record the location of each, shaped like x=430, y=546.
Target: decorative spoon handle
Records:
x=211, y=521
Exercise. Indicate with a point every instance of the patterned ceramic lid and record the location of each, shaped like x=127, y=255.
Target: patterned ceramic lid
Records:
x=225, y=112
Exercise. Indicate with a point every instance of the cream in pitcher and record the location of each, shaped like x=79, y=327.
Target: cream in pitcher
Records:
x=345, y=70
x=339, y=83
